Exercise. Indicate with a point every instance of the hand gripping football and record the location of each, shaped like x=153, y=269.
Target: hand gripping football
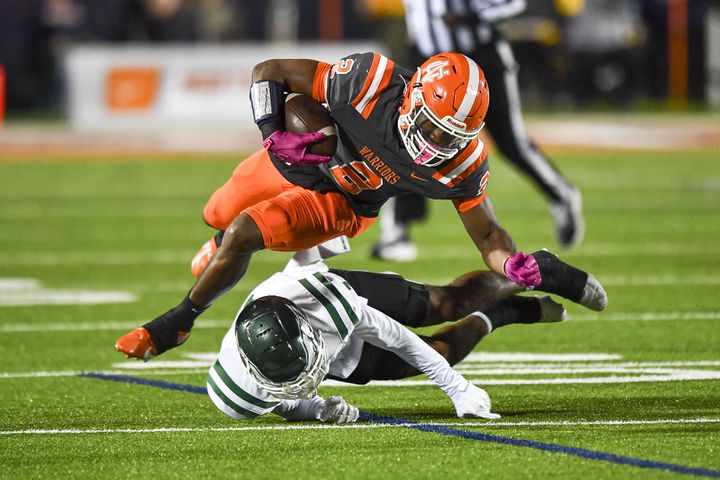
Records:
x=305, y=115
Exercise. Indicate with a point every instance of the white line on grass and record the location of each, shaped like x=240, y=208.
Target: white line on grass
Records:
x=217, y=323
x=97, y=326
x=478, y=423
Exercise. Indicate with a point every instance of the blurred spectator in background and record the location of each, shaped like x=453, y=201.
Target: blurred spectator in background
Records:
x=470, y=28
x=603, y=42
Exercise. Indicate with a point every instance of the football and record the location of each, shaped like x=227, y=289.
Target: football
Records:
x=305, y=115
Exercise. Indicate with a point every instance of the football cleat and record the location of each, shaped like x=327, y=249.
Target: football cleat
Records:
x=551, y=311
x=593, y=296
x=202, y=257
x=401, y=250
x=567, y=215
x=138, y=344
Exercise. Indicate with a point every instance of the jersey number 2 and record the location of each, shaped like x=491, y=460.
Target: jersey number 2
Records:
x=355, y=177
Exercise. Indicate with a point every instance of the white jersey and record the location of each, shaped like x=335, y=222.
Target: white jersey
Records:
x=345, y=321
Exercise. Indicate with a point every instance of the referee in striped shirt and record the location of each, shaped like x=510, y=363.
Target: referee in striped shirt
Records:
x=469, y=27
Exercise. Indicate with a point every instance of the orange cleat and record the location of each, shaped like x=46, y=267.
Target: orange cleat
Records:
x=137, y=344
x=202, y=257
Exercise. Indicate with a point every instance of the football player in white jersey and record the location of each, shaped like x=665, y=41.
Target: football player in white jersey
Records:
x=310, y=322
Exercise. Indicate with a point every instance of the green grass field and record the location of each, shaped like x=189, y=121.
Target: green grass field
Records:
x=645, y=386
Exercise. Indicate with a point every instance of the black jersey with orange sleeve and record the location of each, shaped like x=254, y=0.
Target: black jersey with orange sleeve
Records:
x=363, y=93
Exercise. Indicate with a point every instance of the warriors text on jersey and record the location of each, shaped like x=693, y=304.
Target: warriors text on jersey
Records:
x=363, y=93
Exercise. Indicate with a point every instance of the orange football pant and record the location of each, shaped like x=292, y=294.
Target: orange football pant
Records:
x=290, y=217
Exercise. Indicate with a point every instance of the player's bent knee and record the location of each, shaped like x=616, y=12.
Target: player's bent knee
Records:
x=243, y=235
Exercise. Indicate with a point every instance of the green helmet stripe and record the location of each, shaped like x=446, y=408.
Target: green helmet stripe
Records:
x=242, y=411
x=237, y=390
x=328, y=284
x=339, y=324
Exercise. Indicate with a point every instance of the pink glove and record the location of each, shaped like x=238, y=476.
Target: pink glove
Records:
x=523, y=270
x=291, y=148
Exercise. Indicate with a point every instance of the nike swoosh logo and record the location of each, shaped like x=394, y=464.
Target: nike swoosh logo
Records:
x=418, y=177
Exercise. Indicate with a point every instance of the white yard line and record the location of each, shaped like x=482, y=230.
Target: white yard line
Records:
x=98, y=326
x=478, y=423
x=220, y=323
x=643, y=316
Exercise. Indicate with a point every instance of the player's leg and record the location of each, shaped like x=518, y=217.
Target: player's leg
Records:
x=505, y=123
x=295, y=219
x=396, y=216
x=456, y=341
x=416, y=305
x=254, y=179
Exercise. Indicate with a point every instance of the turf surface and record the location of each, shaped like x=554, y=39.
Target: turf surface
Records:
x=131, y=226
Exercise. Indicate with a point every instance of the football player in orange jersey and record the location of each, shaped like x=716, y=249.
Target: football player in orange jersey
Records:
x=398, y=131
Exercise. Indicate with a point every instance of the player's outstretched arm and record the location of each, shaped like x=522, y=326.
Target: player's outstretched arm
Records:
x=540, y=270
x=497, y=247
x=380, y=330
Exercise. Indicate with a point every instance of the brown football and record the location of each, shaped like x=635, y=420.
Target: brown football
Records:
x=305, y=115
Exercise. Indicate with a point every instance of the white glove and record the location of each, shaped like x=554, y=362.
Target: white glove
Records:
x=471, y=402
x=337, y=410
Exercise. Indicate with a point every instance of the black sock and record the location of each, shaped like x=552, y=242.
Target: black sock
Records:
x=514, y=310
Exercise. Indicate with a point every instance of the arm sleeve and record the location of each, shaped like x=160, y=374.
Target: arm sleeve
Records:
x=382, y=331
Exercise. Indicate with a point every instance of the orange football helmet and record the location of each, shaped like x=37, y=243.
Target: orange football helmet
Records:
x=443, y=108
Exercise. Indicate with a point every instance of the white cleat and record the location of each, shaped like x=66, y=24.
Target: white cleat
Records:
x=398, y=251
x=550, y=310
x=594, y=296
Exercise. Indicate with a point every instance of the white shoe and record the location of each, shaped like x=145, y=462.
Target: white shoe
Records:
x=398, y=251
x=593, y=296
x=550, y=310
x=567, y=214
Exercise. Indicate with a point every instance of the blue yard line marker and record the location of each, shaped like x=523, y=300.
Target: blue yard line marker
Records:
x=456, y=432
x=142, y=381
